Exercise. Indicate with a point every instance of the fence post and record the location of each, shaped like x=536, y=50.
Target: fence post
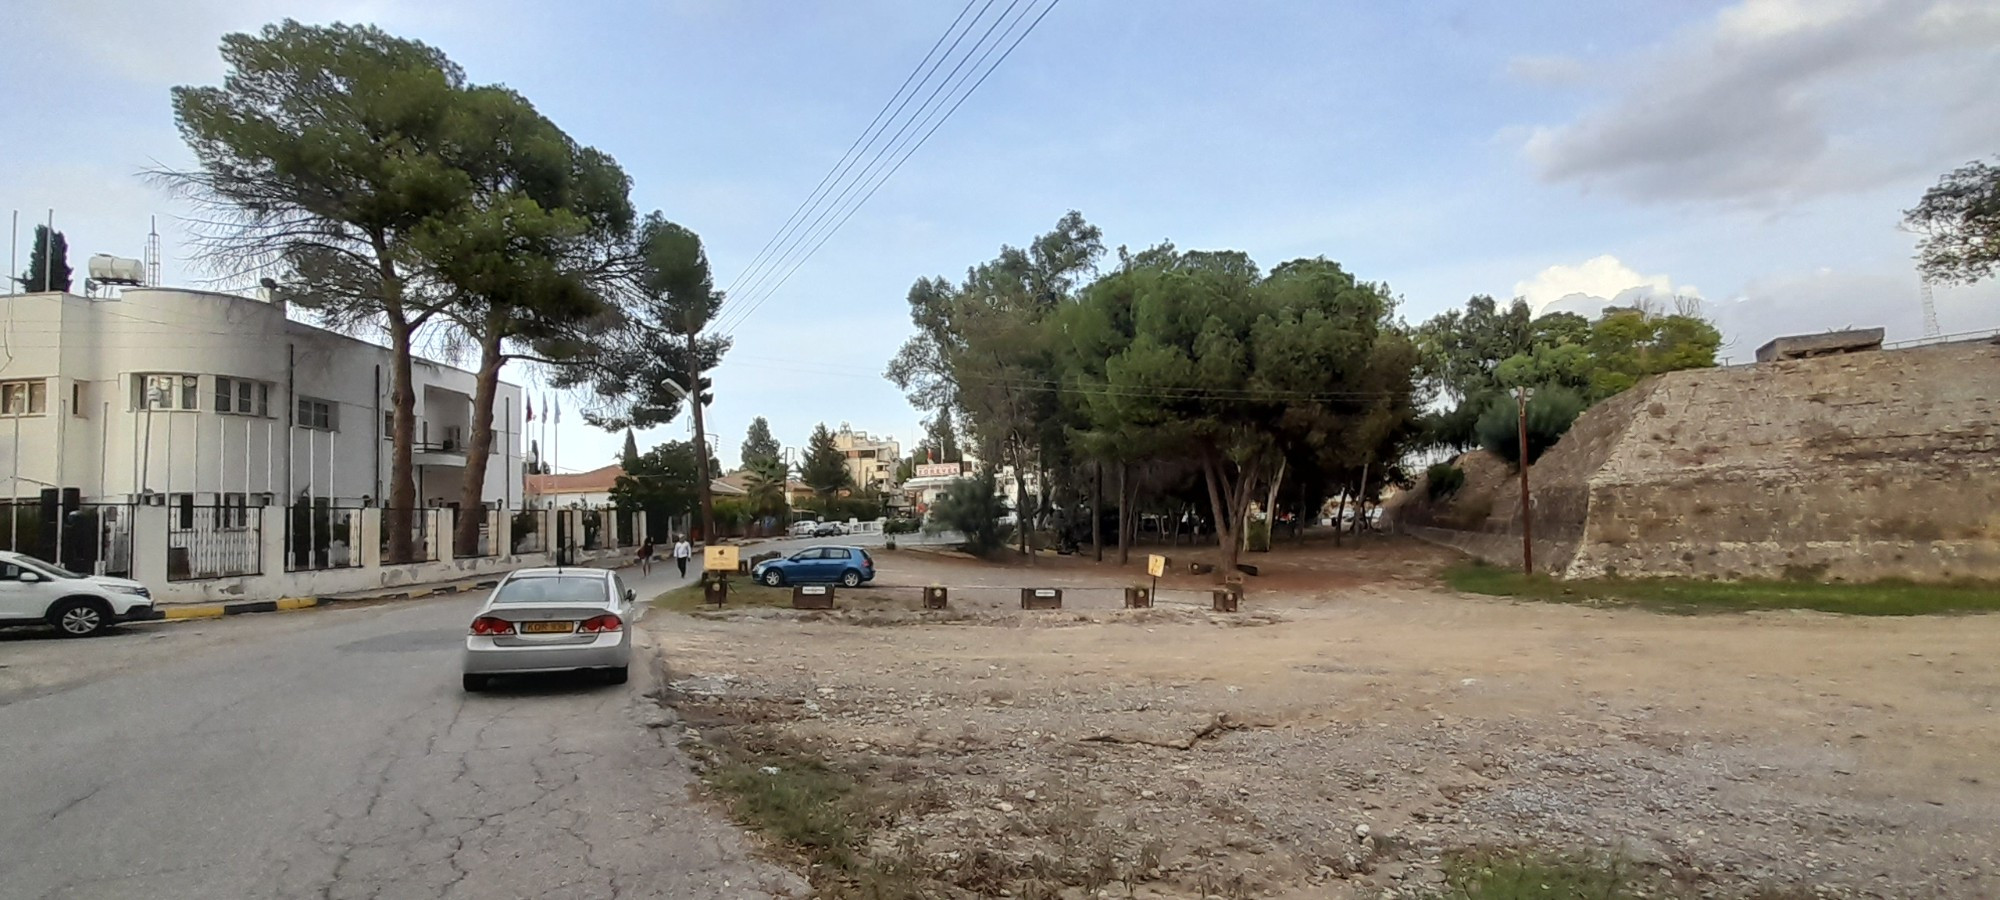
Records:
x=149, y=545
x=369, y=542
x=501, y=530
x=271, y=554
x=443, y=531
x=639, y=526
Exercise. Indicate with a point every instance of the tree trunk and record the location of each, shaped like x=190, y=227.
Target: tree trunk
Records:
x=1097, y=512
x=403, y=500
x=700, y=447
x=1021, y=523
x=1361, y=499
x=1126, y=522
x=1230, y=499
x=1271, y=507
x=1340, y=517
x=472, y=495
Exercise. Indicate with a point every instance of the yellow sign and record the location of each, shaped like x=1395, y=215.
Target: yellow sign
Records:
x=1156, y=565
x=719, y=558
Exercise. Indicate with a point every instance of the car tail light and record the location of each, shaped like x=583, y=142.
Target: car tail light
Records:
x=489, y=625
x=601, y=624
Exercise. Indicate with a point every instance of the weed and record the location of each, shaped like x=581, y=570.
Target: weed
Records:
x=1879, y=598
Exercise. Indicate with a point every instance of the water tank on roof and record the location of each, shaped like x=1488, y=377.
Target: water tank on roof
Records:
x=108, y=269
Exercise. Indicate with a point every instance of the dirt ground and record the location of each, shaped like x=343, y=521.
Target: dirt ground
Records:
x=1356, y=721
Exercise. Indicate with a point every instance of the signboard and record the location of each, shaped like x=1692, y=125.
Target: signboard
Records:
x=812, y=596
x=719, y=558
x=1156, y=565
x=936, y=470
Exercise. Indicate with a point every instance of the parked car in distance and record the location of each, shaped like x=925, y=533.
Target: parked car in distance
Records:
x=804, y=528
x=829, y=529
x=33, y=592
x=552, y=620
x=845, y=566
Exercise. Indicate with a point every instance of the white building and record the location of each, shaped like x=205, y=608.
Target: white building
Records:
x=218, y=399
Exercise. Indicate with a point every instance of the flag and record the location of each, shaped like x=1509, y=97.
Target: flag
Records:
x=529, y=405
x=558, y=409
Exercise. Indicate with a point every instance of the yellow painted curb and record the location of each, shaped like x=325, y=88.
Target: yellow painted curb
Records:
x=285, y=603
x=192, y=612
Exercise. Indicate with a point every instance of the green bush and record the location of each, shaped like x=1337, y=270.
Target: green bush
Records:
x=973, y=507
x=1550, y=413
x=1443, y=480
x=901, y=526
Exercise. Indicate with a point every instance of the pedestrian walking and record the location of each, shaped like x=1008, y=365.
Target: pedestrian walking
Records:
x=646, y=556
x=682, y=550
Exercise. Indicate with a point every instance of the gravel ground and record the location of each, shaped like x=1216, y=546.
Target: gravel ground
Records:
x=1337, y=741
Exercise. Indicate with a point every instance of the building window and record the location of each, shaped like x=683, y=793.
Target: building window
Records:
x=317, y=414
x=235, y=512
x=183, y=506
x=76, y=400
x=24, y=398
x=165, y=392
x=242, y=396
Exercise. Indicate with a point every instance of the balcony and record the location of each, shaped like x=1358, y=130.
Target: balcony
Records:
x=448, y=452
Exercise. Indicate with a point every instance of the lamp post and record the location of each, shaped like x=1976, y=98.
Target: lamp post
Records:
x=1527, y=517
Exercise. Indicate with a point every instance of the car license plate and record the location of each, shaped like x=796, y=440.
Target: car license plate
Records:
x=547, y=627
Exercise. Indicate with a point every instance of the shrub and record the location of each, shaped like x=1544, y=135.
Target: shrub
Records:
x=1550, y=413
x=1443, y=480
x=901, y=526
x=973, y=507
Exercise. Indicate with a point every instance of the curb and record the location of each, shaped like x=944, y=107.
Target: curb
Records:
x=185, y=612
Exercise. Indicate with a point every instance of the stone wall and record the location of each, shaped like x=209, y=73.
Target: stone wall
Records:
x=1856, y=467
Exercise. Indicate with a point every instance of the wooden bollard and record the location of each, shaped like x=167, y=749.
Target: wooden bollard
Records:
x=1227, y=598
x=1138, y=598
x=812, y=596
x=1041, y=598
x=935, y=597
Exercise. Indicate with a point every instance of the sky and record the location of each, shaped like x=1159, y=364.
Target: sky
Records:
x=1755, y=154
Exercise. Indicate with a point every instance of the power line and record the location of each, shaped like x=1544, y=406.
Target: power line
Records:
x=828, y=234
x=895, y=143
x=846, y=160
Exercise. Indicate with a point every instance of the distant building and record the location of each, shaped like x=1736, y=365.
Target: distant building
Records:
x=592, y=489
x=796, y=491
x=871, y=462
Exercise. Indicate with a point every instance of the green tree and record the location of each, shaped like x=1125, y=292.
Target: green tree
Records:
x=525, y=263
x=1461, y=353
x=765, y=484
x=825, y=467
x=941, y=438
x=319, y=159
x=1551, y=411
x=1959, y=223
x=974, y=508
x=657, y=358
x=758, y=444
x=630, y=457
x=663, y=481
x=48, y=263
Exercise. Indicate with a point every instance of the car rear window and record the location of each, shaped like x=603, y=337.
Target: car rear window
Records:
x=866, y=558
x=555, y=589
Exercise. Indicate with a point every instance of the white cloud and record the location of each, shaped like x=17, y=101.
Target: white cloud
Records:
x=1779, y=99
x=1829, y=299
x=1594, y=284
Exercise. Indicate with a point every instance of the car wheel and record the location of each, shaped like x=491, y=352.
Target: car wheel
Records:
x=617, y=675
x=475, y=683
x=773, y=578
x=80, y=617
x=850, y=578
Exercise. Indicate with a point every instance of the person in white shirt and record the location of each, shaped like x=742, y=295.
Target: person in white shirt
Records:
x=682, y=550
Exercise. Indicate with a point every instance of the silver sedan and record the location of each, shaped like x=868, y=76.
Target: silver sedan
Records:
x=552, y=620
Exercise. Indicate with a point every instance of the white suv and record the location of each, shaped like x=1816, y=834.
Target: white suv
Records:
x=33, y=592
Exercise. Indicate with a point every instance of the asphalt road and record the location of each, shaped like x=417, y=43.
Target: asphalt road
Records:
x=331, y=753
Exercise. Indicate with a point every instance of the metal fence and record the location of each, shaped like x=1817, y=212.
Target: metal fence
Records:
x=596, y=531
x=424, y=535
x=533, y=531
x=488, y=517
x=214, y=541
x=322, y=536
x=94, y=538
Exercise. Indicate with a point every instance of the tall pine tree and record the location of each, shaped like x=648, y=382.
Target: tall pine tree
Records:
x=41, y=275
x=758, y=444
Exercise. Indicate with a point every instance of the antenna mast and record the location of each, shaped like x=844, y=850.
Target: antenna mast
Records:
x=153, y=255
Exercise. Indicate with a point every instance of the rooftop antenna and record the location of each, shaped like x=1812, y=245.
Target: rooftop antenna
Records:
x=1931, y=328
x=153, y=254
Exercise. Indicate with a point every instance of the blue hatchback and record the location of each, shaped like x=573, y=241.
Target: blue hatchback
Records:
x=845, y=566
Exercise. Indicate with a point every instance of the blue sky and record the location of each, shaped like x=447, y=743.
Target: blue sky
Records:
x=1754, y=153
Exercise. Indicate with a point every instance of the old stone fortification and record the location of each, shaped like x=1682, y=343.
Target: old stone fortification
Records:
x=1881, y=464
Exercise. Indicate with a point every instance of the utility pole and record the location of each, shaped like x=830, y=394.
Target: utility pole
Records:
x=700, y=442
x=1527, y=517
